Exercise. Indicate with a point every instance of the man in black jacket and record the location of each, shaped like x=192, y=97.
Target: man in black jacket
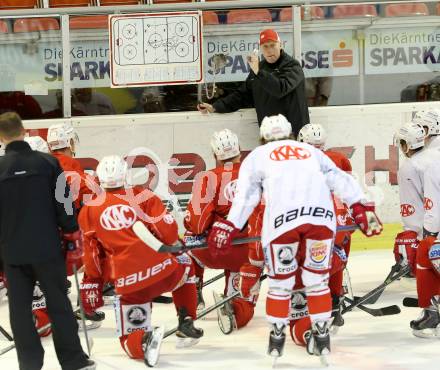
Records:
x=34, y=204
x=275, y=85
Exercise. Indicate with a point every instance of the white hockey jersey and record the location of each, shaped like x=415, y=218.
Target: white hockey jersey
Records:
x=296, y=181
x=412, y=189
x=431, y=220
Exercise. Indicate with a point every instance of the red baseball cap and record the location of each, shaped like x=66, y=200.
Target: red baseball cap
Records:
x=269, y=35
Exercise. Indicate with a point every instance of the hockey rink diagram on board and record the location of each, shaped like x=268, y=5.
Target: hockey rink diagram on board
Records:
x=156, y=41
x=156, y=49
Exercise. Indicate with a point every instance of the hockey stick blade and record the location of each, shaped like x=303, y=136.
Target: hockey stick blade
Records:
x=410, y=302
x=384, y=311
x=404, y=270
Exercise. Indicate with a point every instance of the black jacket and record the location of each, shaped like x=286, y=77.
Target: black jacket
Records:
x=29, y=212
x=278, y=88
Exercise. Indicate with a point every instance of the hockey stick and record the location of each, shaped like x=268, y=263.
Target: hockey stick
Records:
x=384, y=311
x=6, y=334
x=81, y=310
x=145, y=235
x=380, y=288
x=410, y=302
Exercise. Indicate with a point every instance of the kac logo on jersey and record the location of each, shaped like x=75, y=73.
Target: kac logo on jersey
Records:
x=117, y=217
x=318, y=252
x=288, y=152
x=427, y=204
x=229, y=190
x=406, y=210
x=136, y=315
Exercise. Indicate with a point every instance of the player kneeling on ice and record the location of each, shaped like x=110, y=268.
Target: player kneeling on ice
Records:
x=314, y=134
x=139, y=272
x=295, y=179
x=213, y=192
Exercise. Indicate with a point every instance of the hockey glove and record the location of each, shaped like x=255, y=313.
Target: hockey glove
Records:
x=91, y=294
x=405, y=247
x=220, y=237
x=249, y=280
x=74, y=251
x=366, y=218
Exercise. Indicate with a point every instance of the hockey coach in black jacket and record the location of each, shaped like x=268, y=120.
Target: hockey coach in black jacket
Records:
x=274, y=85
x=34, y=205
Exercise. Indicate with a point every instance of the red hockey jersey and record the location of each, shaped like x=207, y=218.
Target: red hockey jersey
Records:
x=108, y=227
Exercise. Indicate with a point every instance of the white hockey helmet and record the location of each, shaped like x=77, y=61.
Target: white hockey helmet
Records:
x=313, y=134
x=37, y=143
x=62, y=136
x=225, y=145
x=412, y=134
x=429, y=119
x=112, y=171
x=275, y=128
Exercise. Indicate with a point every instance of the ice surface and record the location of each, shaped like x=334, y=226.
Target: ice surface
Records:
x=365, y=342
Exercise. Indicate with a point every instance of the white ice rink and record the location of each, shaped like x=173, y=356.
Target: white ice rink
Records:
x=365, y=342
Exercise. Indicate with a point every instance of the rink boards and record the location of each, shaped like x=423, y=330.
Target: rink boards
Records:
x=169, y=149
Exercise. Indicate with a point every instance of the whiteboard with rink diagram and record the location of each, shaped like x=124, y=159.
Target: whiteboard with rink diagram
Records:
x=156, y=49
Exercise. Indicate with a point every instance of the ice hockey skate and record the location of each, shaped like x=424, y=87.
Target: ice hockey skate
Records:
x=225, y=315
x=151, y=342
x=187, y=334
x=428, y=324
x=318, y=343
x=277, y=338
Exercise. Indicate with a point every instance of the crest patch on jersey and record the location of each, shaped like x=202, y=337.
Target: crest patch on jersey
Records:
x=117, y=217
